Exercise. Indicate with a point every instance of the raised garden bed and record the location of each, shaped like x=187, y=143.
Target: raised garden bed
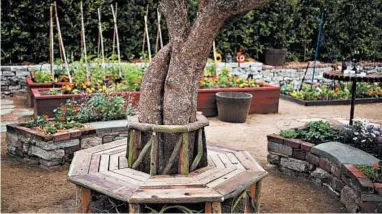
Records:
x=331, y=164
x=45, y=103
x=265, y=99
x=32, y=85
x=330, y=102
x=50, y=151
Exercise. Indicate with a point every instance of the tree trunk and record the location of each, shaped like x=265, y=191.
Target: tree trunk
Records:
x=170, y=86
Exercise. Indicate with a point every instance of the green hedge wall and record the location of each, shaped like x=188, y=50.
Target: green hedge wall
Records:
x=293, y=24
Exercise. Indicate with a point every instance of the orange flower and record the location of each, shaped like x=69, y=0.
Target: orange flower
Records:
x=62, y=118
x=375, y=165
x=63, y=108
x=45, y=116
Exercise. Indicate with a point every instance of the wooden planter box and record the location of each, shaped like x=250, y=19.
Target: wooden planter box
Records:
x=32, y=85
x=45, y=104
x=265, y=100
x=330, y=102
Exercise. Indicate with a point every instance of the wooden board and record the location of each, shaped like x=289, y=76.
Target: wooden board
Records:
x=174, y=196
x=236, y=185
x=224, y=178
x=94, y=165
x=103, y=184
x=80, y=163
x=134, y=174
x=107, y=146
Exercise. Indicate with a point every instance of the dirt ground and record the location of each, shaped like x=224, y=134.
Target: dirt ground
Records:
x=31, y=189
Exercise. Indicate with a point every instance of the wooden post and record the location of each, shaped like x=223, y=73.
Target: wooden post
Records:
x=257, y=196
x=184, y=166
x=208, y=207
x=216, y=207
x=134, y=208
x=154, y=155
x=83, y=200
x=250, y=202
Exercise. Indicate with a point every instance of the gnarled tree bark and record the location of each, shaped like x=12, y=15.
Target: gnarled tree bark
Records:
x=170, y=86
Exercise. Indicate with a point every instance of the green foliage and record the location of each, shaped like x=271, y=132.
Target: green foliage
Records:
x=373, y=172
x=341, y=92
x=349, y=25
x=25, y=25
x=41, y=76
x=289, y=133
x=316, y=132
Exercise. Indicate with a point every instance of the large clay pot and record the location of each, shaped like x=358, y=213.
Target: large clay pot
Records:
x=274, y=56
x=233, y=106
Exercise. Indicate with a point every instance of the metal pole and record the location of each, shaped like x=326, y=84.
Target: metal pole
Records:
x=353, y=92
x=317, y=46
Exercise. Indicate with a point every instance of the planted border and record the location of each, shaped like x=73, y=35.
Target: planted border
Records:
x=295, y=157
x=265, y=99
x=330, y=102
x=51, y=151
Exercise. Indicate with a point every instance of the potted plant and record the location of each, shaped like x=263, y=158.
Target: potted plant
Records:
x=275, y=31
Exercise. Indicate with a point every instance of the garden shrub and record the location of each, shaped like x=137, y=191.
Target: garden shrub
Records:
x=362, y=135
x=349, y=25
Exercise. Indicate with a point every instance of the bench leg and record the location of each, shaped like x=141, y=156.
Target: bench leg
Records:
x=134, y=208
x=253, y=201
x=257, y=197
x=83, y=200
x=216, y=207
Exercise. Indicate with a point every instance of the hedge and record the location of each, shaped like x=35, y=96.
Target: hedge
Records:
x=349, y=25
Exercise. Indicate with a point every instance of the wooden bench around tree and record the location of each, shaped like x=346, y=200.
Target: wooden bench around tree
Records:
x=104, y=169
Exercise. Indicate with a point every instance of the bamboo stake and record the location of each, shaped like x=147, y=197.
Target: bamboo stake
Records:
x=51, y=53
x=160, y=30
x=84, y=43
x=101, y=37
x=214, y=51
x=116, y=34
x=144, y=31
x=62, y=43
x=148, y=38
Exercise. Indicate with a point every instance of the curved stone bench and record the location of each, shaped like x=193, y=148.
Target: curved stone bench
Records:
x=331, y=165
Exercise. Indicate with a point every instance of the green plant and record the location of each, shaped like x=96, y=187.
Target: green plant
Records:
x=54, y=91
x=289, y=133
x=373, y=172
x=41, y=76
x=318, y=132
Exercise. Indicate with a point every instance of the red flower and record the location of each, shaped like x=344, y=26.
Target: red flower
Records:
x=375, y=165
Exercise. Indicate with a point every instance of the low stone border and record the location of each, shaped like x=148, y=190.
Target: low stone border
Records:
x=303, y=159
x=330, y=102
x=51, y=151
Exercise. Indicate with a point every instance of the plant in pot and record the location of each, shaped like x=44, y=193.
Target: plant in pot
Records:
x=274, y=29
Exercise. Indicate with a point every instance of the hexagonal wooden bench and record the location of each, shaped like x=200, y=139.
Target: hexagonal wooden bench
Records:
x=104, y=169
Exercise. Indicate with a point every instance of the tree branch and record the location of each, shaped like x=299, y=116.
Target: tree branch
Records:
x=232, y=7
x=150, y=110
x=176, y=14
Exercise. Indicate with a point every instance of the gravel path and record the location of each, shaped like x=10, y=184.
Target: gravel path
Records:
x=30, y=189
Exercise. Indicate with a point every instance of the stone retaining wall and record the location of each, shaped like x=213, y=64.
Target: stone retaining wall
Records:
x=51, y=151
x=13, y=77
x=302, y=159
